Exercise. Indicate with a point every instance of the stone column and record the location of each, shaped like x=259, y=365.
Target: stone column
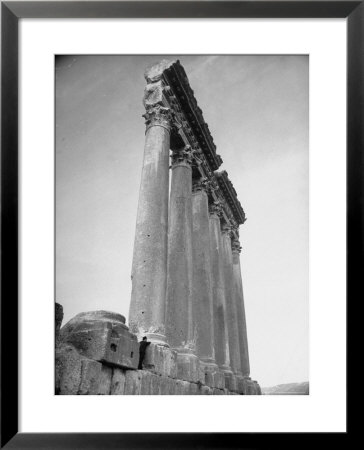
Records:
x=179, y=316
x=230, y=301
x=202, y=281
x=221, y=336
x=149, y=270
x=243, y=336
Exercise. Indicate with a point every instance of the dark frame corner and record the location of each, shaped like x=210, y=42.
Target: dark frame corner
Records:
x=11, y=12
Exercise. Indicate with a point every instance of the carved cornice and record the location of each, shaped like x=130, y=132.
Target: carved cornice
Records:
x=230, y=196
x=181, y=98
x=158, y=116
x=235, y=245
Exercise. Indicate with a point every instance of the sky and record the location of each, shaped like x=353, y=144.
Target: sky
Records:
x=257, y=111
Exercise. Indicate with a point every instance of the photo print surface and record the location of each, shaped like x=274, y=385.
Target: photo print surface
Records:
x=182, y=224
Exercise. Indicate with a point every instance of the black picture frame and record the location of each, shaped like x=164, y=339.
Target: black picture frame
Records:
x=11, y=12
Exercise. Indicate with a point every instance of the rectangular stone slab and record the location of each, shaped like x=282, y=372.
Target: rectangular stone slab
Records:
x=188, y=368
x=100, y=342
x=118, y=382
x=161, y=360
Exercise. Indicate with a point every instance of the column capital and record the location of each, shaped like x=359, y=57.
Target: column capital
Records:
x=158, y=115
x=227, y=230
x=200, y=184
x=235, y=246
x=215, y=208
x=183, y=156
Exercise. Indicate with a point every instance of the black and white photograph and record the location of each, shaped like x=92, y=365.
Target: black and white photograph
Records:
x=182, y=224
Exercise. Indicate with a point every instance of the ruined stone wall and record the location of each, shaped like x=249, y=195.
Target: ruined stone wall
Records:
x=97, y=355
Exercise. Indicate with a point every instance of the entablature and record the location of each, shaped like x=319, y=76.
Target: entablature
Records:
x=230, y=196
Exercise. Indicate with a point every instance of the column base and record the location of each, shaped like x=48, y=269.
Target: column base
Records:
x=188, y=366
x=240, y=384
x=213, y=375
x=230, y=380
x=157, y=338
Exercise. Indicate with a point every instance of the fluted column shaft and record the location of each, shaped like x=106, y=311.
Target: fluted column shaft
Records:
x=149, y=269
x=243, y=335
x=202, y=286
x=231, y=303
x=221, y=337
x=179, y=320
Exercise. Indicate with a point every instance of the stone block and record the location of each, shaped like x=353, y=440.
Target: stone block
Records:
x=161, y=360
x=240, y=384
x=77, y=375
x=68, y=366
x=201, y=374
x=258, y=390
x=118, y=382
x=182, y=387
x=132, y=382
x=250, y=387
x=206, y=390
x=145, y=382
x=92, y=380
x=246, y=386
x=193, y=389
x=104, y=337
x=59, y=319
x=188, y=367
x=230, y=381
x=213, y=375
x=155, y=384
x=104, y=387
x=217, y=391
x=167, y=386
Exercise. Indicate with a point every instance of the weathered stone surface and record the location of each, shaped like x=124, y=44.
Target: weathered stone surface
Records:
x=104, y=387
x=118, y=382
x=193, y=389
x=206, y=390
x=188, y=367
x=59, y=318
x=161, y=360
x=145, y=383
x=240, y=384
x=258, y=389
x=77, y=375
x=68, y=366
x=230, y=381
x=250, y=387
x=104, y=337
x=182, y=387
x=246, y=386
x=167, y=386
x=201, y=374
x=132, y=382
x=91, y=377
x=155, y=384
x=154, y=72
x=213, y=375
x=218, y=391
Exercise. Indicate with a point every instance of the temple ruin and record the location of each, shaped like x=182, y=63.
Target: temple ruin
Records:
x=187, y=292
